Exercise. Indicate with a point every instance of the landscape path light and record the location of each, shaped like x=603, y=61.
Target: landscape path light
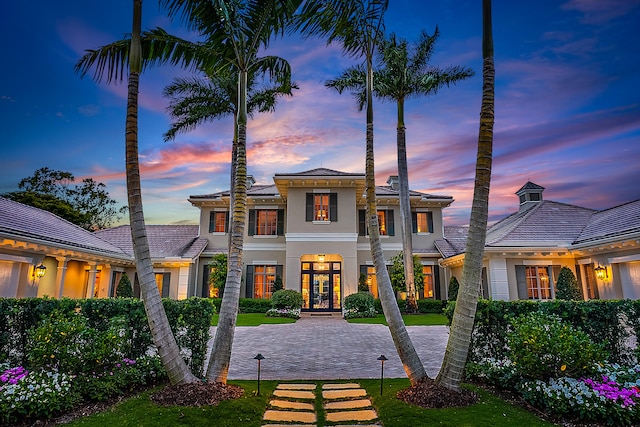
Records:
x=382, y=359
x=259, y=357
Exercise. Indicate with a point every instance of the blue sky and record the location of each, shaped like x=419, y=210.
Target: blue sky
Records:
x=567, y=107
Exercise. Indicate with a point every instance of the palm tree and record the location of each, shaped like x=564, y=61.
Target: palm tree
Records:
x=358, y=25
x=457, y=350
x=239, y=29
x=158, y=323
x=403, y=74
x=234, y=32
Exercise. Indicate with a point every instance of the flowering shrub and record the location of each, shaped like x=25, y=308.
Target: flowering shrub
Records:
x=293, y=313
x=501, y=373
x=34, y=394
x=542, y=346
x=360, y=304
x=613, y=398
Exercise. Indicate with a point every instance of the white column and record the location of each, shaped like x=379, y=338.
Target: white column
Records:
x=183, y=282
x=498, y=279
x=60, y=274
x=91, y=285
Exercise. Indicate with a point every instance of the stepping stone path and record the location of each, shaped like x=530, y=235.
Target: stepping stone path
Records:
x=345, y=405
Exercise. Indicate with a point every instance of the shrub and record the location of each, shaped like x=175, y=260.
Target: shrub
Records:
x=454, y=285
x=277, y=284
x=124, y=289
x=286, y=303
x=567, y=286
x=363, y=286
x=217, y=275
x=430, y=305
x=543, y=346
x=396, y=273
x=360, y=304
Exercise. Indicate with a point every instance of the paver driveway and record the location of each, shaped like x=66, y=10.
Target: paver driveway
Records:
x=329, y=348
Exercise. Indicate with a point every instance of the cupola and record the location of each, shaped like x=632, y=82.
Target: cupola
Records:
x=530, y=194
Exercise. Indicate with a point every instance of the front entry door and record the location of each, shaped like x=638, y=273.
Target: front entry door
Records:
x=321, y=286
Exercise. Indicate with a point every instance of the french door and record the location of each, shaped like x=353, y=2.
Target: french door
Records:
x=321, y=286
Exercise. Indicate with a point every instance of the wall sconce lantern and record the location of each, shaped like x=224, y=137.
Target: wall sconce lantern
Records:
x=601, y=272
x=40, y=271
x=259, y=357
x=382, y=359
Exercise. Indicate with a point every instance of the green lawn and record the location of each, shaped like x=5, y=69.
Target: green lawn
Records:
x=428, y=319
x=255, y=319
x=248, y=410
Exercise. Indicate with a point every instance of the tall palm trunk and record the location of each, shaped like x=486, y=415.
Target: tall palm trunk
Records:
x=218, y=369
x=406, y=351
x=405, y=211
x=158, y=322
x=457, y=350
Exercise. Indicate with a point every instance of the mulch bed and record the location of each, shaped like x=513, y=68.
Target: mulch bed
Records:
x=428, y=394
x=196, y=394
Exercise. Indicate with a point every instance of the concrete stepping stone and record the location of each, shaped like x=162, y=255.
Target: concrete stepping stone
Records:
x=287, y=404
x=289, y=416
x=296, y=387
x=295, y=394
x=363, y=415
x=348, y=404
x=303, y=425
x=340, y=386
x=343, y=394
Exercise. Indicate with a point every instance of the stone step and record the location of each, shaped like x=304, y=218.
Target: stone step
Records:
x=302, y=425
x=348, y=404
x=295, y=394
x=363, y=415
x=288, y=404
x=343, y=394
x=289, y=416
x=340, y=386
x=296, y=386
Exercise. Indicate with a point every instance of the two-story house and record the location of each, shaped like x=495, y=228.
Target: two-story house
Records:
x=309, y=229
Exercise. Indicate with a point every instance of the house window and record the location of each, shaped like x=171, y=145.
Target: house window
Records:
x=266, y=222
x=385, y=223
x=218, y=222
x=422, y=222
x=372, y=283
x=428, y=291
x=162, y=282
x=591, y=285
x=538, y=283
x=263, y=278
x=322, y=207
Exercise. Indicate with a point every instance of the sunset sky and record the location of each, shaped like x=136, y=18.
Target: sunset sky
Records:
x=567, y=107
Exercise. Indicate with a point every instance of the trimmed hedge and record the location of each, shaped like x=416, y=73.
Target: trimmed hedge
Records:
x=611, y=323
x=190, y=320
x=247, y=305
x=424, y=305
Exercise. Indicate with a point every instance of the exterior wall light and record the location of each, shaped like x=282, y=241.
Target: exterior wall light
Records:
x=40, y=271
x=601, y=272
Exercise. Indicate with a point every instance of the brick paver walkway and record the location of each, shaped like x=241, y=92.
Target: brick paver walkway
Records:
x=329, y=349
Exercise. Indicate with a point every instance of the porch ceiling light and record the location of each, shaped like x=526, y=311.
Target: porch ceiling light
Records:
x=601, y=272
x=40, y=271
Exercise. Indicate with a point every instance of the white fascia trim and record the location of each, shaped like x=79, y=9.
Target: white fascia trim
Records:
x=321, y=237
x=620, y=259
x=13, y=258
x=385, y=247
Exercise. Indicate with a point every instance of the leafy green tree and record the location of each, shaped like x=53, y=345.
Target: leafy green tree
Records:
x=567, y=286
x=457, y=350
x=277, y=284
x=124, y=289
x=217, y=274
x=402, y=72
x=358, y=25
x=86, y=204
x=397, y=273
x=454, y=285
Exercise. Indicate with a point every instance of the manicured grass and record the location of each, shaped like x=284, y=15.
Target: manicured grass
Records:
x=255, y=319
x=248, y=410
x=427, y=319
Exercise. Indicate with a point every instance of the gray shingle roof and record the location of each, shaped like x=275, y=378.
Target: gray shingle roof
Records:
x=612, y=222
x=546, y=223
x=165, y=241
x=454, y=242
x=23, y=221
x=530, y=186
x=321, y=172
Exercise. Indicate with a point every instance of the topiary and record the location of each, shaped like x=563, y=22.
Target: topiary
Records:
x=287, y=299
x=363, y=286
x=124, y=289
x=360, y=304
x=452, y=294
x=567, y=287
x=277, y=285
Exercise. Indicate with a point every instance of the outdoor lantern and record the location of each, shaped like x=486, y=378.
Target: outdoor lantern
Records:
x=259, y=357
x=40, y=271
x=382, y=358
x=601, y=272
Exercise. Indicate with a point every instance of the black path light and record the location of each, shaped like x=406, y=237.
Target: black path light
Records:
x=259, y=357
x=382, y=359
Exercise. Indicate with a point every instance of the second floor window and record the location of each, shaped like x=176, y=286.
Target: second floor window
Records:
x=266, y=222
x=218, y=222
x=422, y=222
x=385, y=223
x=322, y=207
